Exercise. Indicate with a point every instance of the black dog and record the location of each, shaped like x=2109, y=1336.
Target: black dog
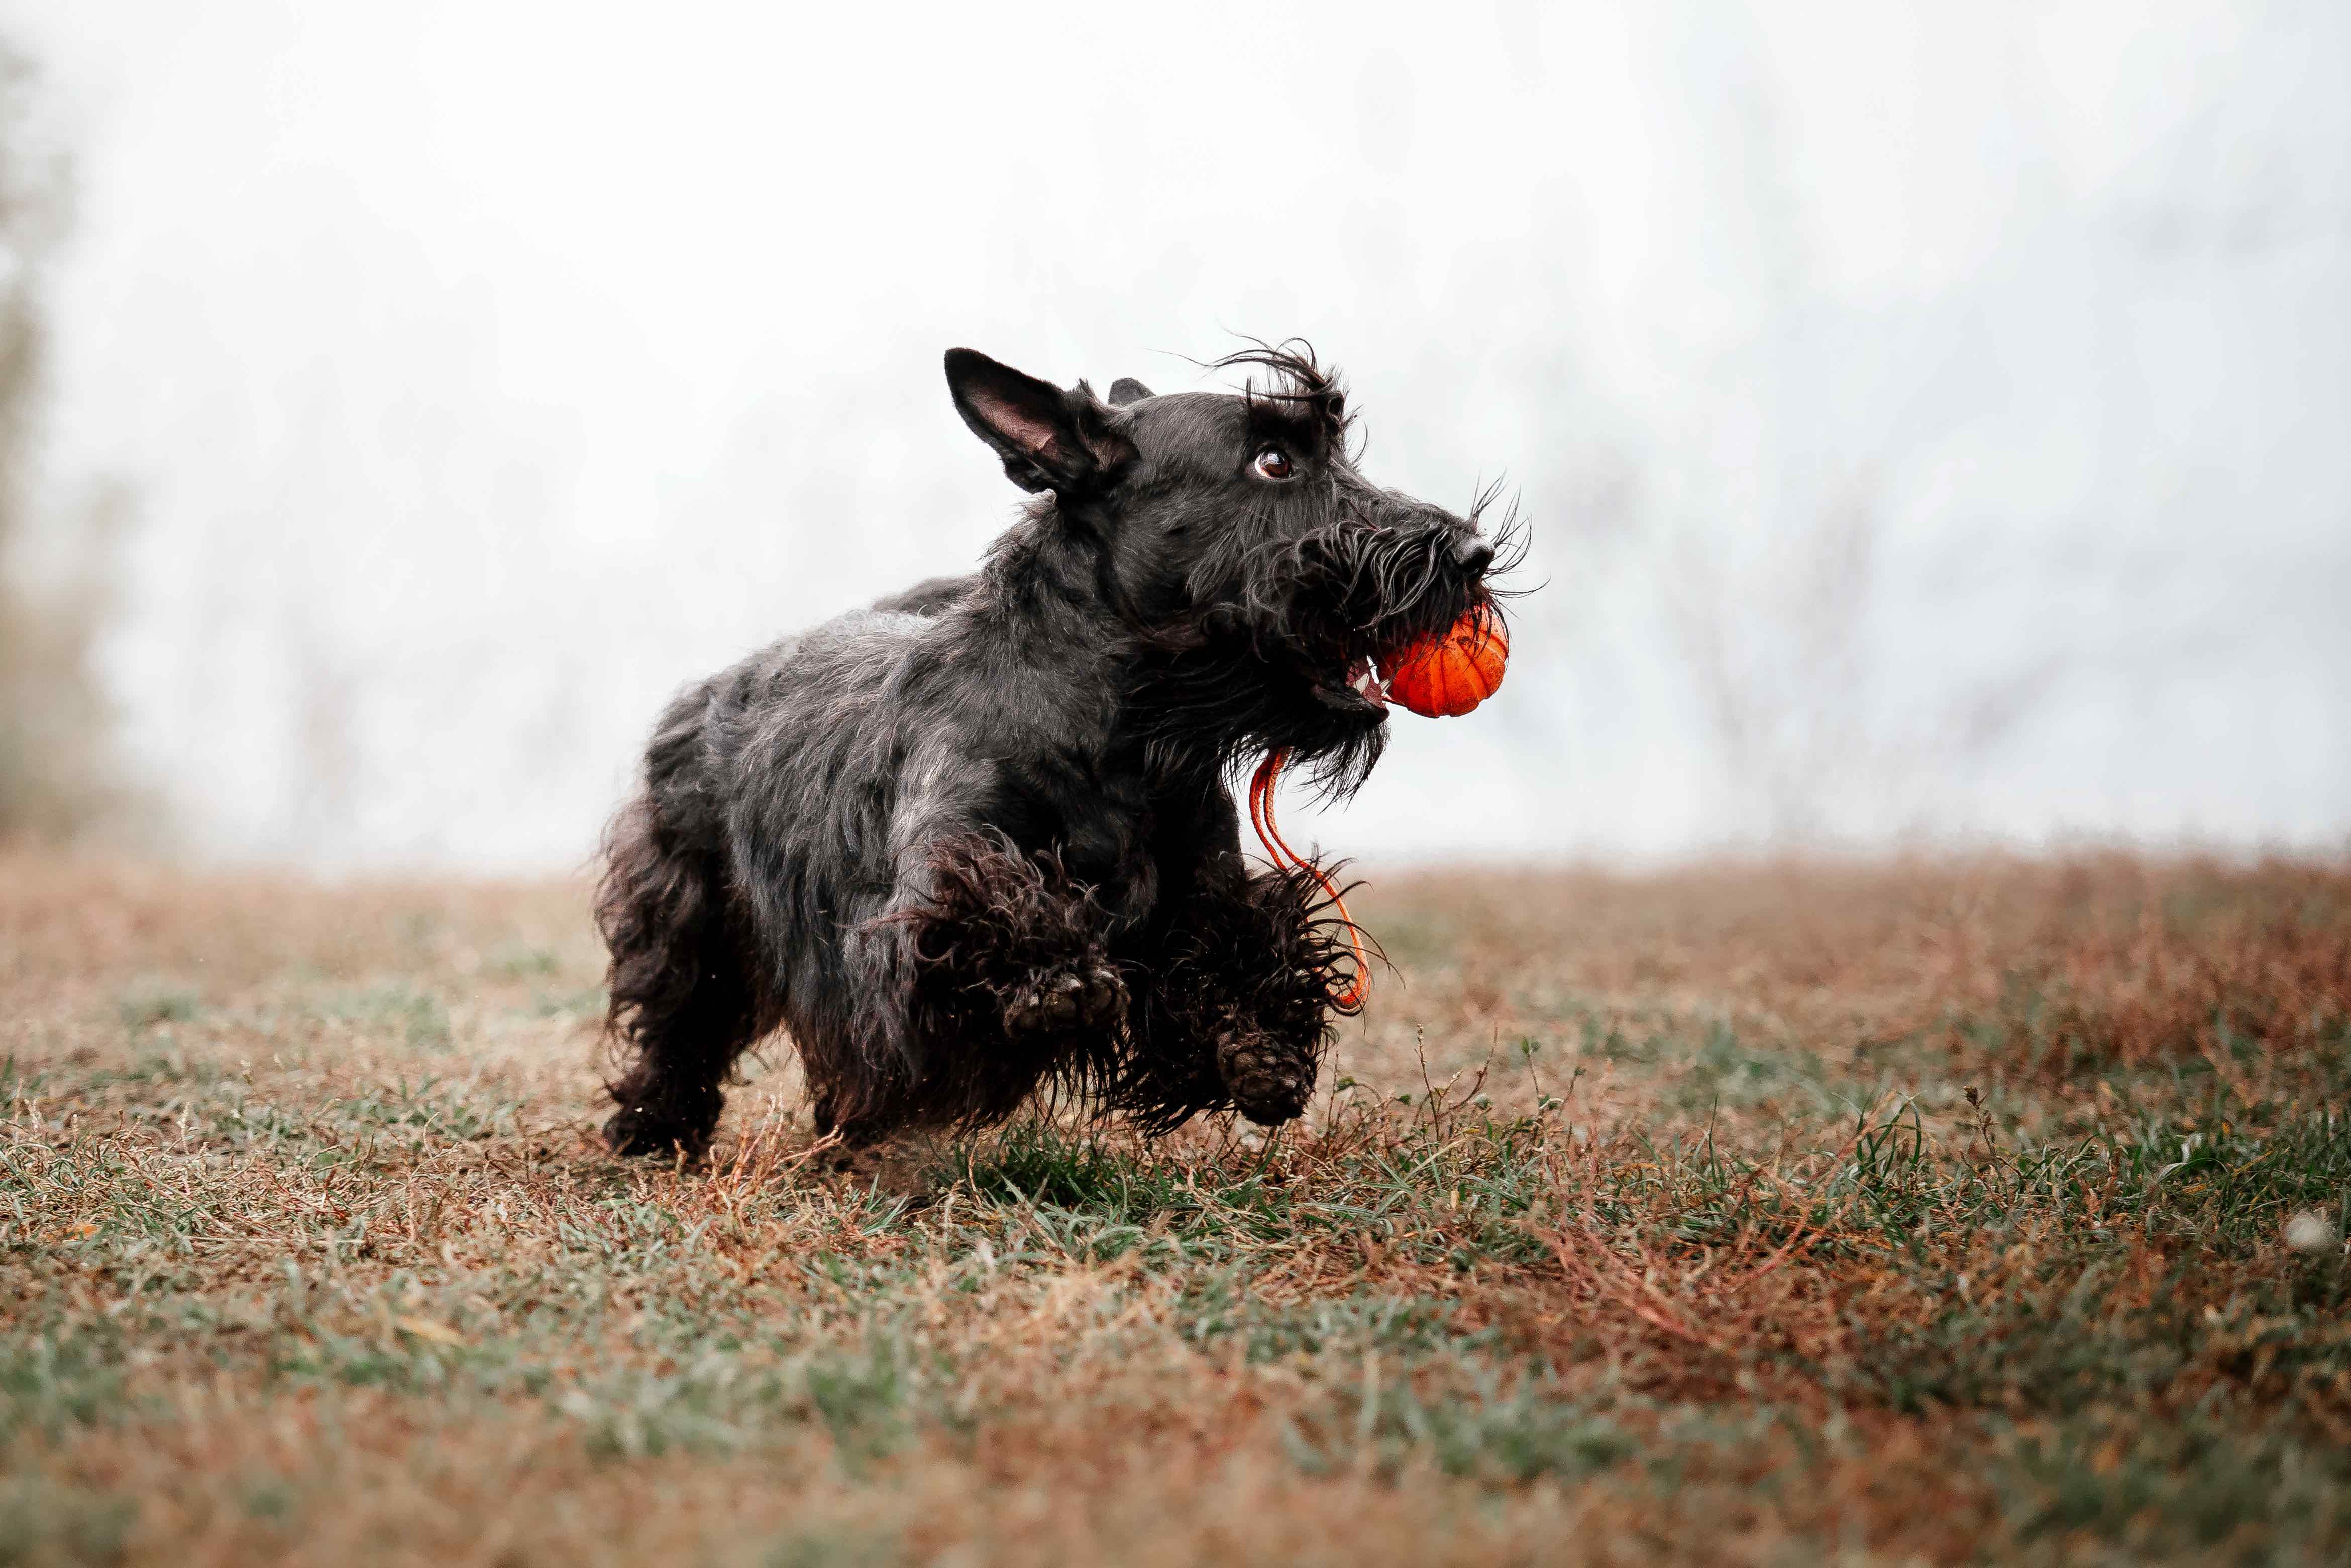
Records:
x=978, y=838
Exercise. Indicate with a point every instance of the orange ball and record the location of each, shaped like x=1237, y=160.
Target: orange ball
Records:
x=1445, y=677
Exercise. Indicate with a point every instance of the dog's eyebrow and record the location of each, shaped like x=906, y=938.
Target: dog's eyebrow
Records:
x=1298, y=417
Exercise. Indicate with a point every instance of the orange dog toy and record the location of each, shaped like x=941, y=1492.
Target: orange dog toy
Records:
x=1445, y=677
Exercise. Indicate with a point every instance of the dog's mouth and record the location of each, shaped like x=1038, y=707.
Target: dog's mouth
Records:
x=1360, y=688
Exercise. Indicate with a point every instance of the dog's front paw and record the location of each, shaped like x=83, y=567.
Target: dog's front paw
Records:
x=1086, y=997
x=1270, y=1082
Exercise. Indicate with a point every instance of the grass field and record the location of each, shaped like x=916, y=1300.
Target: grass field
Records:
x=1927, y=1213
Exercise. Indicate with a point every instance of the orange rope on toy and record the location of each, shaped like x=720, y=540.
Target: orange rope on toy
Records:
x=1281, y=854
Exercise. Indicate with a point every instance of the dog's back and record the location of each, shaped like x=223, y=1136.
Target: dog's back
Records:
x=929, y=596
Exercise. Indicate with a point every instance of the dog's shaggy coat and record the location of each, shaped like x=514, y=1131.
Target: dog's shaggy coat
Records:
x=978, y=837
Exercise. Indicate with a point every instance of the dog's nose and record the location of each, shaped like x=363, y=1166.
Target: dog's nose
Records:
x=1472, y=554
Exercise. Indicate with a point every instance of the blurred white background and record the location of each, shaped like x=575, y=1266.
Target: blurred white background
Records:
x=1936, y=419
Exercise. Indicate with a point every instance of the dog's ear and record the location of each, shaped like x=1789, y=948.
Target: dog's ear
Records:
x=1049, y=439
x=1127, y=390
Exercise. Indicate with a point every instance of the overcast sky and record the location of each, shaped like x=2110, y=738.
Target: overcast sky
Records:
x=1933, y=420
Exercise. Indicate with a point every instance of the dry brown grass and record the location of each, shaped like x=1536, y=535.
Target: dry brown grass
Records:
x=1642, y=1219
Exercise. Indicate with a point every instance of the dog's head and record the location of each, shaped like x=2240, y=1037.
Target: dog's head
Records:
x=1266, y=582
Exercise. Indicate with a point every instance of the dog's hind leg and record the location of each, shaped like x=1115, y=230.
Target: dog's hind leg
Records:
x=683, y=1005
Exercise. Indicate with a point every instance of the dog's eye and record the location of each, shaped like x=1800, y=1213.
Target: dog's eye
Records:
x=1272, y=462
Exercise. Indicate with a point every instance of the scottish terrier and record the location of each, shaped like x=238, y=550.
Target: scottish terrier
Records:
x=977, y=839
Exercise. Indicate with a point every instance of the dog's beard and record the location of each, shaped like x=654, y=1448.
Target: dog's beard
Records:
x=1295, y=653
x=1221, y=704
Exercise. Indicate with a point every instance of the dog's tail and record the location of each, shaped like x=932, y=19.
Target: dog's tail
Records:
x=649, y=903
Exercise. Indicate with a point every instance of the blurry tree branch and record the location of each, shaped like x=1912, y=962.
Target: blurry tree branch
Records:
x=1780, y=655
x=54, y=576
